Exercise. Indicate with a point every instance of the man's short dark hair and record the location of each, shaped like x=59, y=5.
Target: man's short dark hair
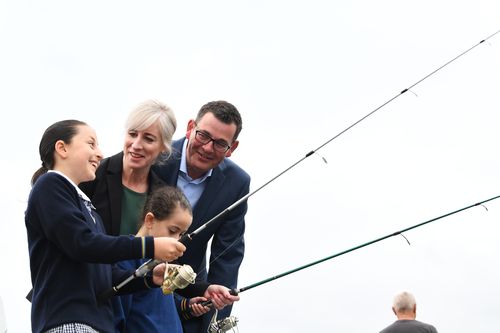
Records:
x=223, y=111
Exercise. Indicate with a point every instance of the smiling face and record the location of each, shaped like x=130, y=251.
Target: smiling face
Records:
x=203, y=157
x=142, y=147
x=173, y=226
x=79, y=158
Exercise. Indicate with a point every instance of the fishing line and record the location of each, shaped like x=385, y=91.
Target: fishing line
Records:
x=335, y=137
x=148, y=266
x=237, y=203
x=400, y=232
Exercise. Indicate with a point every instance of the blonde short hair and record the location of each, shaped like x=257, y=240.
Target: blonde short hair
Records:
x=149, y=112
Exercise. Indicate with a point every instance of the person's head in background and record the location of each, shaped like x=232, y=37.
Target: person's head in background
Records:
x=166, y=213
x=149, y=130
x=71, y=147
x=404, y=306
x=212, y=136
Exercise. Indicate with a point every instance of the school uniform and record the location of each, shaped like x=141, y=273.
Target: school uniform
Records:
x=145, y=311
x=70, y=257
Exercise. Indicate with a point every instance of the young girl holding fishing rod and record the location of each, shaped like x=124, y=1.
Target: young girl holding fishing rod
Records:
x=166, y=213
x=69, y=250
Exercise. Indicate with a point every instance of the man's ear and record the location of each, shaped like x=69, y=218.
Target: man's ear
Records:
x=234, y=145
x=393, y=310
x=190, y=127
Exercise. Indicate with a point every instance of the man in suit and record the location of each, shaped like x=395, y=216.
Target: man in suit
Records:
x=199, y=165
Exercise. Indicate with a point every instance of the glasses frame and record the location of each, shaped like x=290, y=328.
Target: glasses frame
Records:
x=216, y=144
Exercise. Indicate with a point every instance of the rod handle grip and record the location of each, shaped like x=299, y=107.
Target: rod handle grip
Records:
x=186, y=238
x=107, y=294
x=208, y=303
x=146, y=267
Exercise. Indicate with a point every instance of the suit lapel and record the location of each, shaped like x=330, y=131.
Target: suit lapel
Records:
x=214, y=185
x=114, y=182
x=170, y=171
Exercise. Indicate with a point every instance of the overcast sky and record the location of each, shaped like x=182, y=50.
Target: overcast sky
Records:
x=299, y=72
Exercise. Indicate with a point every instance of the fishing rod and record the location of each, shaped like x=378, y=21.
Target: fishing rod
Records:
x=400, y=232
x=149, y=265
x=190, y=236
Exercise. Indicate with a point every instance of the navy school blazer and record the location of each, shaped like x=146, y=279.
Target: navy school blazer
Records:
x=70, y=256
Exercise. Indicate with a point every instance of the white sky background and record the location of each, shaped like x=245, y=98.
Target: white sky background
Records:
x=299, y=72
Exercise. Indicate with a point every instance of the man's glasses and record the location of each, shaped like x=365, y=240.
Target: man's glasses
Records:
x=219, y=145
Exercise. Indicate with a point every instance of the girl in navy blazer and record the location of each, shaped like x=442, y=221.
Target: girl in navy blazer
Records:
x=70, y=254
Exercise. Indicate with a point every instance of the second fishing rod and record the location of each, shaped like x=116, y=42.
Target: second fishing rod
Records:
x=237, y=291
x=357, y=247
x=148, y=266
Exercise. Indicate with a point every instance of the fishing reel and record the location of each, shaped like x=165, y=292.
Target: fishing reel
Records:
x=177, y=277
x=222, y=325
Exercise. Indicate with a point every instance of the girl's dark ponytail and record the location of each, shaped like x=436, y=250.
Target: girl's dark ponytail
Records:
x=63, y=130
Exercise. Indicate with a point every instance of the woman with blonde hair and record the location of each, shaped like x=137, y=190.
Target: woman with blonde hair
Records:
x=124, y=180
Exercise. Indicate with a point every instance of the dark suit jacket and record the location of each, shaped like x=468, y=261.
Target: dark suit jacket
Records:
x=106, y=193
x=227, y=184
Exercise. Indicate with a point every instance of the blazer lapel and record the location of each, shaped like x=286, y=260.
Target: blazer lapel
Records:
x=114, y=182
x=170, y=171
x=214, y=185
